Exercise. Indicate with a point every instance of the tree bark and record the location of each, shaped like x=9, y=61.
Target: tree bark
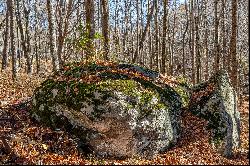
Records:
x=63, y=24
x=233, y=45
x=191, y=41
x=51, y=40
x=90, y=28
x=164, y=33
x=184, y=43
x=12, y=38
x=216, y=42
x=105, y=27
x=6, y=36
x=143, y=37
x=156, y=34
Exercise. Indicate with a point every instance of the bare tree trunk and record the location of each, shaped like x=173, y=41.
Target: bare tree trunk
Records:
x=36, y=42
x=27, y=34
x=143, y=37
x=216, y=42
x=6, y=36
x=183, y=42
x=90, y=27
x=12, y=37
x=197, y=44
x=156, y=34
x=224, y=41
x=206, y=44
x=60, y=32
x=62, y=28
x=233, y=45
x=51, y=40
x=171, y=59
x=198, y=55
x=191, y=40
x=164, y=33
x=105, y=27
x=137, y=27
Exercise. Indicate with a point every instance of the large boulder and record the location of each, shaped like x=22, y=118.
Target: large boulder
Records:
x=117, y=110
x=216, y=101
x=121, y=110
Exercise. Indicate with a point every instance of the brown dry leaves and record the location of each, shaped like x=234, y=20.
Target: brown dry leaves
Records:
x=33, y=143
x=196, y=96
x=14, y=91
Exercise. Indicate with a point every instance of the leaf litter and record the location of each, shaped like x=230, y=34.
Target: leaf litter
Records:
x=25, y=141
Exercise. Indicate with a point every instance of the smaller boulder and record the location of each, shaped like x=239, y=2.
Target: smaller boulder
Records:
x=216, y=101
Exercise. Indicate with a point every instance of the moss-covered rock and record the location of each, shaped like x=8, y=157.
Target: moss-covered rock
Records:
x=121, y=110
x=216, y=101
x=117, y=110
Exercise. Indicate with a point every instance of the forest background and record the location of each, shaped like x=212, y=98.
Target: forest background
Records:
x=191, y=39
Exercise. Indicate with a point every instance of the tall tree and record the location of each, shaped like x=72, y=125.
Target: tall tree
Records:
x=6, y=36
x=191, y=40
x=36, y=36
x=206, y=42
x=184, y=41
x=90, y=27
x=216, y=39
x=143, y=37
x=164, y=33
x=51, y=34
x=224, y=40
x=62, y=27
x=197, y=43
x=105, y=27
x=233, y=53
x=12, y=38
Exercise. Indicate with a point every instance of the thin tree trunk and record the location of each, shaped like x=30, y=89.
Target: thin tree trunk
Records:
x=36, y=43
x=171, y=60
x=6, y=36
x=90, y=27
x=105, y=27
x=197, y=44
x=224, y=40
x=51, y=40
x=183, y=42
x=191, y=44
x=63, y=30
x=12, y=37
x=164, y=33
x=206, y=45
x=198, y=55
x=233, y=45
x=216, y=42
x=143, y=37
x=156, y=34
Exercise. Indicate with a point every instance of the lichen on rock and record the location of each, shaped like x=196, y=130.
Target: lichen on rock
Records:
x=121, y=110
x=114, y=109
x=216, y=101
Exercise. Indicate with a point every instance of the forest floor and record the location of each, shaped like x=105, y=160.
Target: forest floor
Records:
x=25, y=141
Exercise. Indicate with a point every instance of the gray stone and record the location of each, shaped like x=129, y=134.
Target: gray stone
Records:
x=219, y=107
x=114, y=117
x=123, y=114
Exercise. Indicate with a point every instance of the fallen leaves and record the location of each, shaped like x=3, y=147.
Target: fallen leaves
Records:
x=32, y=143
x=196, y=96
x=35, y=144
x=12, y=92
